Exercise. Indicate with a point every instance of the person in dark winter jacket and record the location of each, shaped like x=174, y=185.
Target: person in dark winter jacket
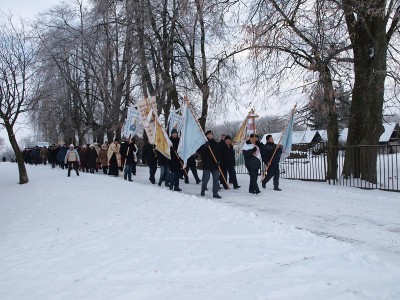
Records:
x=129, y=159
x=123, y=150
x=228, y=162
x=53, y=151
x=208, y=151
x=175, y=164
x=36, y=155
x=150, y=158
x=83, y=151
x=61, y=156
x=191, y=165
x=272, y=159
x=91, y=157
x=252, y=158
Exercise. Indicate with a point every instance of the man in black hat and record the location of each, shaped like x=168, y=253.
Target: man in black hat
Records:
x=175, y=164
x=271, y=159
x=228, y=162
x=210, y=156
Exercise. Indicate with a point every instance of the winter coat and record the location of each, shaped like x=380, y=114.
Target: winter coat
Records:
x=148, y=154
x=191, y=161
x=114, y=149
x=72, y=156
x=162, y=160
x=44, y=153
x=227, y=157
x=103, y=157
x=131, y=149
x=91, y=156
x=252, y=156
x=269, y=151
x=61, y=154
x=207, y=159
x=175, y=164
x=82, y=153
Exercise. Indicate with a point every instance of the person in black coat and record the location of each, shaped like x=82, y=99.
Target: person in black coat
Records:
x=91, y=156
x=228, y=162
x=272, y=165
x=252, y=159
x=191, y=165
x=149, y=156
x=130, y=151
x=210, y=164
x=175, y=164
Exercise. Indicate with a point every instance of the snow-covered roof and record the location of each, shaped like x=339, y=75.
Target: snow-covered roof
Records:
x=298, y=137
x=384, y=138
x=323, y=134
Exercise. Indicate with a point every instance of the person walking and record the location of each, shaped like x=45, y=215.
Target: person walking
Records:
x=272, y=159
x=252, y=159
x=72, y=160
x=208, y=151
x=103, y=158
x=129, y=159
x=228, y=162
x=163, y=163
x=114, y=158
x=149, y=157
x=191, y=165
x=175, y=164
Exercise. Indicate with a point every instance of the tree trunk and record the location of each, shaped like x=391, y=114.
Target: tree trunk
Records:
x=23, y=175
x=369, y=40
x=332, y=130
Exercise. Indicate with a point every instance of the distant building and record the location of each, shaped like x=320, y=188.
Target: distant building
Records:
x=307, y=138
x=391, y=135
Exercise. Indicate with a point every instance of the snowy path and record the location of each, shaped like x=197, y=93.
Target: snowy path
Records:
x=98, y=237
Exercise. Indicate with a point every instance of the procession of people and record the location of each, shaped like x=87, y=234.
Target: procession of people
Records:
x=217, y=159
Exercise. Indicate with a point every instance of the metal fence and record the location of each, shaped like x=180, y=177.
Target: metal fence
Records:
x=310, y=163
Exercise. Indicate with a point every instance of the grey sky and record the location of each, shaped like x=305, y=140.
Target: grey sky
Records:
x=27, y=8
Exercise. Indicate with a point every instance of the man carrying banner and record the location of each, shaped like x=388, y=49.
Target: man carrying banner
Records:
x=175, y=164
x=210, y=165
x=273, y=154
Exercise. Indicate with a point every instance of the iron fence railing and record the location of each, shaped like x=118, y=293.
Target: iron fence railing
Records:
x=310, y=163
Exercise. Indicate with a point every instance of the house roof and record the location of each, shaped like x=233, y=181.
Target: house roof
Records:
x=298, y=137
x=384, y=138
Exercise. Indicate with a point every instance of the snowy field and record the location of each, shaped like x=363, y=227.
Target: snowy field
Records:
x=99, y=237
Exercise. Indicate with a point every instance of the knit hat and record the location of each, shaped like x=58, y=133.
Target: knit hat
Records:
x=174, y=131
x=227, y=137
x=209, y=131
x=71, y=145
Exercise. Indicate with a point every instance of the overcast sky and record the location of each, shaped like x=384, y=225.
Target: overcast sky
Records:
x=27, y=8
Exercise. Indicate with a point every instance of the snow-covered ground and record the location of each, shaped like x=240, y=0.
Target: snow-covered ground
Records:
x=100, y=237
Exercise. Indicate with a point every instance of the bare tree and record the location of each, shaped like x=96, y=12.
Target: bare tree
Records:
x=302, y=39
x=371, y=25
x=17, y=80
x=201, y=27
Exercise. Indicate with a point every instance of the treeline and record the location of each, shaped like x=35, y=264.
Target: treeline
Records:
x=85, y=62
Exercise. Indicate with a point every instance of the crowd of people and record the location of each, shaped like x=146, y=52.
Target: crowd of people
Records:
x=218, y=161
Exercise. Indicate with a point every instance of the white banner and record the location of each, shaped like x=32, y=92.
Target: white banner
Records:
x=175, y=121
x=132, y=124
